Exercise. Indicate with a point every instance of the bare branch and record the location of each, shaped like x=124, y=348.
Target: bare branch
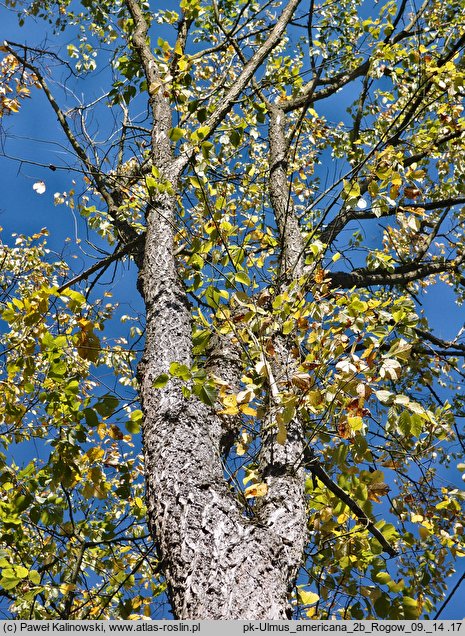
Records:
x=104, y=262
x=449, y=596
x=449, y=346
x=125, y=231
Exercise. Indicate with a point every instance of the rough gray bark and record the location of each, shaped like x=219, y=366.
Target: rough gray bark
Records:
x=292, y=245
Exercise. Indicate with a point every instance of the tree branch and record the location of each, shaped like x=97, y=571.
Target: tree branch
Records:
x=401, y=275
x=102, y=263
x=427, y=152
x=318, y=471
x=161, y=112
x=450, y=347
x=449, y=596
x=334, y=227
x=292, y=244
x=342, y=79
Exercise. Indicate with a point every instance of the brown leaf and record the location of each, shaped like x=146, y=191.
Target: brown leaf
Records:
x=377, y=490
x=269, y=348
x=302, y=381
x=344, y=429
x=263, y=297
x=319, y=276
x=412, y=193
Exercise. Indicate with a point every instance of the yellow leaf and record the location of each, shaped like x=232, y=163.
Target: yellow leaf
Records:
x=288, y=326
x=243, y=445
x=88, y=344
x=281, y=437
x=95, y=453
x=154, y=87
x=256, y=490
x=424, y=532
x=245, y=396
x=308, y=598
x=231, y=410
x=230, y=399
x=247, y=410
x=314, y=398
x=86, y=325
x=241, y=449
x=355, y=423
x=230, y=402
x=260, y=368
x=250, y=475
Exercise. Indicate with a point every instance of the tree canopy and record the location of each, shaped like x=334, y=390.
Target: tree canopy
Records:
x=278, y=430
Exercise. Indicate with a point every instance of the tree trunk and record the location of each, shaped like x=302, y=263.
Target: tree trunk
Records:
x=218, y=562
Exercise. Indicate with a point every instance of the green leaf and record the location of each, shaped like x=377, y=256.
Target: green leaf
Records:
x=404, y=423
x=206, y=148
x=241, y=277
x=76, y=299
x=181, y=371
x=176, y=134
x=34, y=577
x=288, y=326
x=206, y=393
x=161, y=381
x=9, y=583
x=135, y=421
x=383, y=577
x=20, y=571
x=133, y=427
x=106, y=405
x=410, y=606
x=235, y=138
x=202, y=132
x=382, y=606
x=136, y=416
x=91, y=417
x=416, y=424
